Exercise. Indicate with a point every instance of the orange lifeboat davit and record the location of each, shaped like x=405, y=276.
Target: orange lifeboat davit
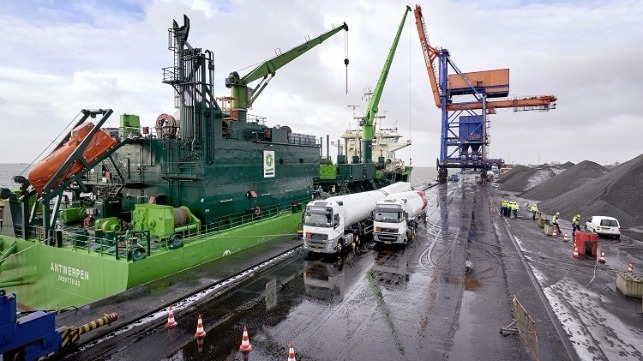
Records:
x=44, y=170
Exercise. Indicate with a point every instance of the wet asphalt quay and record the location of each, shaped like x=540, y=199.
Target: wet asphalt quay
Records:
x=443, y=297
x=597, y=320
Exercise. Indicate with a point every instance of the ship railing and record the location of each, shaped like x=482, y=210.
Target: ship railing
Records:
x=112, y=244
x=241, y=219
x=302, y=139
x=251, y=118
x=127, y=245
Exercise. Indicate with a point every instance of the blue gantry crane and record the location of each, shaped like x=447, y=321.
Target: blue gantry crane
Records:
x=465, y=101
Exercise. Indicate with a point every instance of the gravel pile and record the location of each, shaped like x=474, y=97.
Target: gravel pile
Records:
x=522, y=178
x=569, y=179
x=616, y=194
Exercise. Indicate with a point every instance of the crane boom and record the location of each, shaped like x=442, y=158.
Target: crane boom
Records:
x=243, y=98
x=430, y=53
x=541, y=102
x=372, y=108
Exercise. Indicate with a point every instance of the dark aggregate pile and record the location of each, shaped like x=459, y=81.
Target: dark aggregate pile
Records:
x=572, y=178
x=517, y=177
x=521, y=178
x=618, y=194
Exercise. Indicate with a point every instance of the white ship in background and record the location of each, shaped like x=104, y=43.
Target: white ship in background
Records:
x=386, y=142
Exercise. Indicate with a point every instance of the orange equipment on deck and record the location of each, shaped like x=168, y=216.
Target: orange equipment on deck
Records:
x=44, y=170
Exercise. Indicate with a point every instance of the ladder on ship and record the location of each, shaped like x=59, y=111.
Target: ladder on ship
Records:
x=343, y=189
x=114, y=177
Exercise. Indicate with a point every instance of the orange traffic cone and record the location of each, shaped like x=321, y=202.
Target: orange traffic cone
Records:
x=554, y=233
x=170, y=318
x=565, y=239
x=291, y=352
x=630, y=269
x=245, y=341
x=601, y=259
x=575, y=254
x=200, y=333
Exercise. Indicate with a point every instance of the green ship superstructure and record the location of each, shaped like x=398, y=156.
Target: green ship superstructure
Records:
x=353, y=173
x=203, y=183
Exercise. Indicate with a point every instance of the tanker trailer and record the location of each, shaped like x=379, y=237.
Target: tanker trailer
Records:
x=397, y=216
x=333, y=224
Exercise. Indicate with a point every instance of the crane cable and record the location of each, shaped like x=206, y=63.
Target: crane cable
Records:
x=51, y=143
x=410, y=99
x=346, y=57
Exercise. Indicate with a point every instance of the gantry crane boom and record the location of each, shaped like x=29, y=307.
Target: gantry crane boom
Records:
x=540, y=102
x=430, y=53
x=243, y=98
x=372, y=108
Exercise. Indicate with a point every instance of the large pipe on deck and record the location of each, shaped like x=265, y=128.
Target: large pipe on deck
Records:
x=71, y=335
x=106, y=319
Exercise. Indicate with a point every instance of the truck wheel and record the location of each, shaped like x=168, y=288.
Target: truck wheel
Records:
x=340, y=247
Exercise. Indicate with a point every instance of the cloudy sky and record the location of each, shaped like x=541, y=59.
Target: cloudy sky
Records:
x=62, y=56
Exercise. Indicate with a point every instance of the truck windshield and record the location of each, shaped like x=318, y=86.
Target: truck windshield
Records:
x=317, y=219
x=387, y=216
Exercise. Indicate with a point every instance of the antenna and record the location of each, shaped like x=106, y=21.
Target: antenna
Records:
x=354, y=107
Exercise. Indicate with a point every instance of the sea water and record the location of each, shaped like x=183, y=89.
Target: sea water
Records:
x=8, y=171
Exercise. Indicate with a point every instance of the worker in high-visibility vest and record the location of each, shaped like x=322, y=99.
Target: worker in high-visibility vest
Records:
x=554, y=221
x=503, y=207
x=575, y=224
x=514, y=209
x=533, y=208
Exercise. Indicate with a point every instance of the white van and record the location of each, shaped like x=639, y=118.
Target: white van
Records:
x=604, y=226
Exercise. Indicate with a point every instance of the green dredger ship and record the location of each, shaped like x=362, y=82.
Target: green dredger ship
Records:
x=110, y=209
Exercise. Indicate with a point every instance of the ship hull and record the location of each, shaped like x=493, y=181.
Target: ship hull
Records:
x=54, y=278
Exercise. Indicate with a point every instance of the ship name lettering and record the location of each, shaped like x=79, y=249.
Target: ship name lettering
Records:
x=69, y=280
x=69, y=272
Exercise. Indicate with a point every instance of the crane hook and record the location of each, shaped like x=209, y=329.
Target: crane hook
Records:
x=346, y=59
x=346, y=63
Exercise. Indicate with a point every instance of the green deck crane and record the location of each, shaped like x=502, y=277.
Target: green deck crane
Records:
x=367, y=120
x=243, y=97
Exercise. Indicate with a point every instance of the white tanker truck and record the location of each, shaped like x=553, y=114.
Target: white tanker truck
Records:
x=332, y=224
x=397, y=216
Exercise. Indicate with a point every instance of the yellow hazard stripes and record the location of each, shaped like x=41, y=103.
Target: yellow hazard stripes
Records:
x=71, y=335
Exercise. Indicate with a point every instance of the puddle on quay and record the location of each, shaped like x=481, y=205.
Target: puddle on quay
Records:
x=447, y=277
x=470, y=282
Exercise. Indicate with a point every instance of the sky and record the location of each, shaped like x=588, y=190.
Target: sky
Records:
x=62, y=56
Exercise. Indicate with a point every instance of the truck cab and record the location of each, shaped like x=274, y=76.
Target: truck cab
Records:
x=324, y=228
x=390, y=222
x=395, y=218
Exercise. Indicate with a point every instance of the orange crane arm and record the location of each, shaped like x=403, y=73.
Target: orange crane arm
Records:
x=544, y=102
x=429, y=52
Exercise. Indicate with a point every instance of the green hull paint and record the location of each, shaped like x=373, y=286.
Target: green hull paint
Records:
x=60, y=277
